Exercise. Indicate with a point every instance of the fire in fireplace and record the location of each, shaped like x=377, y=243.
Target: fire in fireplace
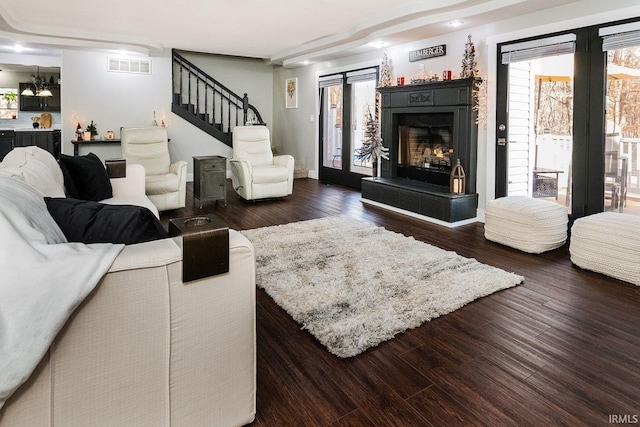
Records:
x=425, y=144
x=425, y=140
x=425, y=147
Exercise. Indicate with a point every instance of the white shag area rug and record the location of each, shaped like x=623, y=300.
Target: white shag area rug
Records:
x=353, y=284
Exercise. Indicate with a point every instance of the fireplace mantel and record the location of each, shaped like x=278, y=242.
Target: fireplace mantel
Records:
x=415, y=103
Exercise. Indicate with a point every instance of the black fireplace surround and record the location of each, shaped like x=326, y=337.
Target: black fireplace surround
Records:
x=426, y=128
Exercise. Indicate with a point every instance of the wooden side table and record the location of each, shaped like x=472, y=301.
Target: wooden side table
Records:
x=209, y=179
x=205, y=246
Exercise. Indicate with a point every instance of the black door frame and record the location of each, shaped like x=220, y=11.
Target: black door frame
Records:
x=342, y=176
x=587, y=195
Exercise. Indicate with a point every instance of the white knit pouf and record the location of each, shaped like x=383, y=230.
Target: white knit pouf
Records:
x=608, y=243
x=528, y=224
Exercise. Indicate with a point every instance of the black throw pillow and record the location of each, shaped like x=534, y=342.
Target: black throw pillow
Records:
x=92, y=222
x=85, y=177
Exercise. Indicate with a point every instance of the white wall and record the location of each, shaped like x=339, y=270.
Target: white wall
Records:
x=115, y=100
x=299, y=136
x=111, y=100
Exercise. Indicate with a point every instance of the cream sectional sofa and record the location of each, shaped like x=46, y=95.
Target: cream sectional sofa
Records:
x=40, y=169
x=146, y=349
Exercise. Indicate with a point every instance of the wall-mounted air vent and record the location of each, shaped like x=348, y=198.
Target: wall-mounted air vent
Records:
x=129, y=65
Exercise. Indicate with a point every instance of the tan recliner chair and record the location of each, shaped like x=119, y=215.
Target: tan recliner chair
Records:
x=165, y=182
x=255, y=172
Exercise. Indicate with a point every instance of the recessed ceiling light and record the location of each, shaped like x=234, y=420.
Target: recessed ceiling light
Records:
x=456, y=23
x=17, y=48
x=377, y=44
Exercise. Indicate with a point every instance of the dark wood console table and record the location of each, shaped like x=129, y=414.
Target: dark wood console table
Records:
x=76, y=144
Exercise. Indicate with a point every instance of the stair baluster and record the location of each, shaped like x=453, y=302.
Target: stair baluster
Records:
x=203, y=114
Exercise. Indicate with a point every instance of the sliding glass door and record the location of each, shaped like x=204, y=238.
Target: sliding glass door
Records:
x=567, y=112
x=347, y=103
x=622, y=131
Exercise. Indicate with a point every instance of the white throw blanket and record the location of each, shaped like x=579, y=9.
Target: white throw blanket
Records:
x=43, y=279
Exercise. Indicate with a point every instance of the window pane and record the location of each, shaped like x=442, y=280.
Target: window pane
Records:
x=363, y=107
x=332, y=127
x=540, y=128
x=8, y=103
x=622, y=165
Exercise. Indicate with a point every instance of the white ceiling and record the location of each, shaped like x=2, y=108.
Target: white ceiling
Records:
x=285, y=32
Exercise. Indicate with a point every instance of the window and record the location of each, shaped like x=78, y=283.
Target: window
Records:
x=622, y=128
x=8, y=103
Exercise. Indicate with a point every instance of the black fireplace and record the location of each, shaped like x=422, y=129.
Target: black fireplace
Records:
x=426, y=128
x=425, y=143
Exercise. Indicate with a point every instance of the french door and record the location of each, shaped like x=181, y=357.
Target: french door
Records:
x=536, y=120
x=346, y=101
x=621, y=44
x=566, y=118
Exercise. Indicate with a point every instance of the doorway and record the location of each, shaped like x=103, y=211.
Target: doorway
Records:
x=347, y=106
x=538, y=114
x=602, y=99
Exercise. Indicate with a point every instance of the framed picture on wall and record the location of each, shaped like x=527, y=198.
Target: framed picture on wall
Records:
x=291, y=95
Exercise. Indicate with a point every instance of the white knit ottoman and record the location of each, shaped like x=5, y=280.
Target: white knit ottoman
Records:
x=608, y=243
x=528, y=224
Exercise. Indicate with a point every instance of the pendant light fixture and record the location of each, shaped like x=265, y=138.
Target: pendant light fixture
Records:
x=27, y=92
x=39, y=83
x=45, y=92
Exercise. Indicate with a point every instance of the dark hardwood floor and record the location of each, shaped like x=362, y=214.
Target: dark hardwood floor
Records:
x=561, y=349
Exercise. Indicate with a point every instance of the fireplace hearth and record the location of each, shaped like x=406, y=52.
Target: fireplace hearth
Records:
x=426, y=128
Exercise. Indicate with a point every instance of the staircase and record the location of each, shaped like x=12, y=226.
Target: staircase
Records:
x=206, y=103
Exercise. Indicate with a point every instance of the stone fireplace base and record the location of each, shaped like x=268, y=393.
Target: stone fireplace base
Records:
x=430, y=200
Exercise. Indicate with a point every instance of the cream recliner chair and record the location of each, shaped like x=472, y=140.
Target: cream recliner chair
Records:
x=165, y=182
x=255, y=172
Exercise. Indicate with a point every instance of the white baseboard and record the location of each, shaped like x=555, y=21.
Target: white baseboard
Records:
x=480, y=215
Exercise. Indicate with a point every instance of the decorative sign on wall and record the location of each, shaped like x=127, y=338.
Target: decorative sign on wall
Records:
x=428, y=52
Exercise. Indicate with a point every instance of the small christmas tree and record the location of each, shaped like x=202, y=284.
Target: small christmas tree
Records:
x=385, y=72
x=480, y=104
x=469, y=60
x=372, y=147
